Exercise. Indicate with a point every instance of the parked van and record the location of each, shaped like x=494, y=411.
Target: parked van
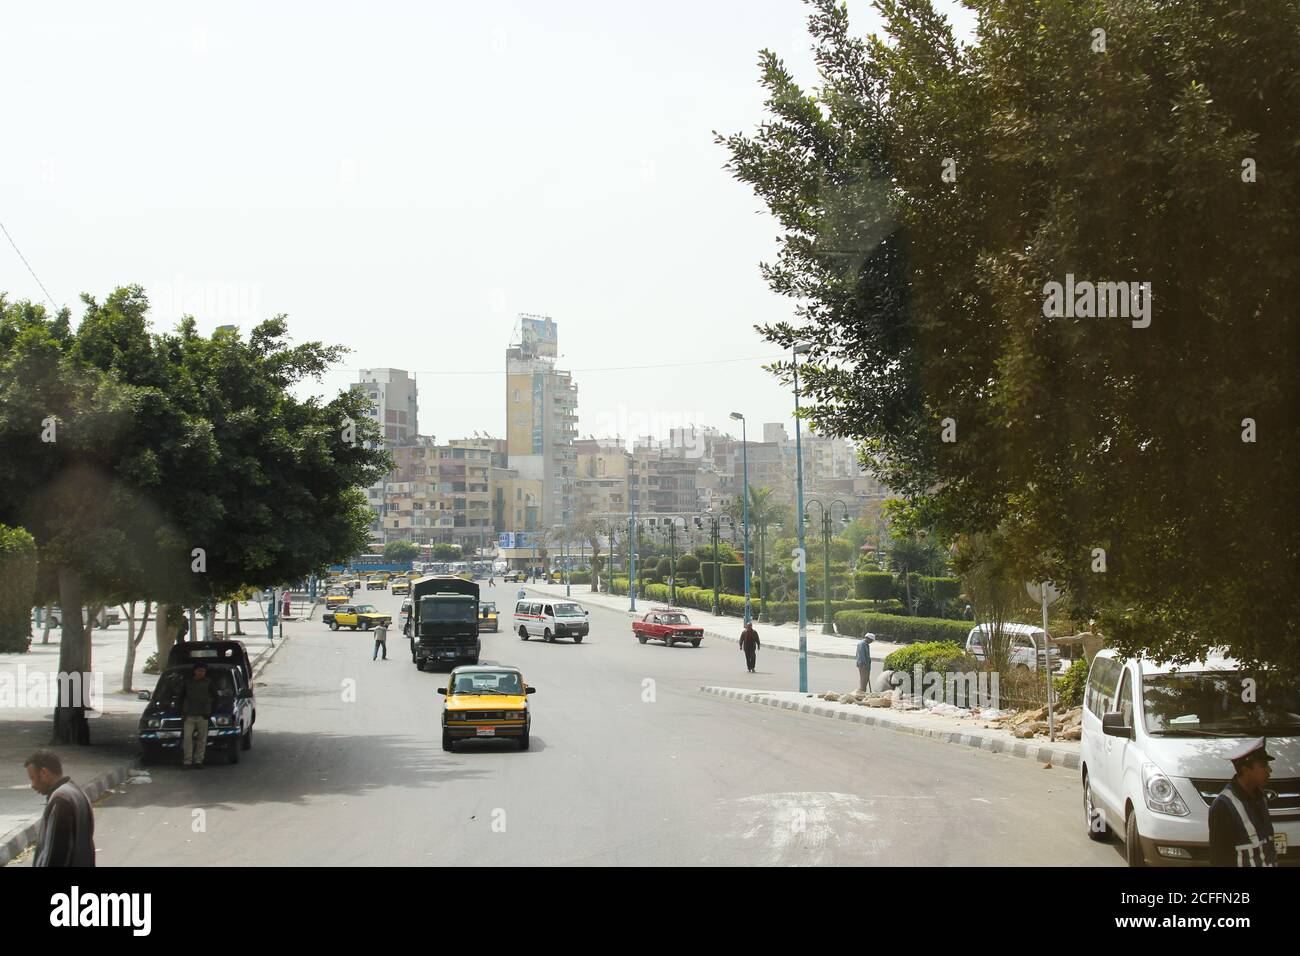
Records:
x=550, y=620
x=1024, y=638
x=1154, y=743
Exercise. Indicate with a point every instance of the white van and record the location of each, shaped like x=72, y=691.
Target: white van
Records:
x=1024, y=639
x=550, y=619
x=1153, y=744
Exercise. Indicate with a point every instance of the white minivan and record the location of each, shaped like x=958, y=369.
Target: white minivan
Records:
x=551, y=619
x=1154, y=743
x=1024, y=639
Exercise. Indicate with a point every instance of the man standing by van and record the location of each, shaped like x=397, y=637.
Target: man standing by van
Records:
x=1241, y=833
x=199, y=696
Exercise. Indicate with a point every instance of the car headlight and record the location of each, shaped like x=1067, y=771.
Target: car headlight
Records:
x=1160, y=793
x=154, y=723
x=221, y=721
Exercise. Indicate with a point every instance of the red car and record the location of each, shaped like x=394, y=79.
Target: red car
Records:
x=667, y=624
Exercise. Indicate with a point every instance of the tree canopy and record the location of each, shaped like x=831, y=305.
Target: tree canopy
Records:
x=1133, y=447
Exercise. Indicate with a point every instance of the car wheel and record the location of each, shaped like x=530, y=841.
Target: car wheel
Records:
x=695, y=643
x=523, y=740
x=577, y=638
x=642, y=638
x=546, y=635
x=419, y=664
x=1133, y=841
x=366, y=626
x=447, y=743
x=246, y=742
x=669, y=642
x=523, y=633
x=334, y=625
x=1093, y=819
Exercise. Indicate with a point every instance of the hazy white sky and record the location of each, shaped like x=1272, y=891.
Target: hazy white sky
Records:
x=404, y=178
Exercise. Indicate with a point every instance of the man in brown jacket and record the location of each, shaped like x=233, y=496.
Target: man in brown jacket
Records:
x=749, y=644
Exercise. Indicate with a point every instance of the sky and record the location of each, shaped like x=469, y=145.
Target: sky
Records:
x=406, y=178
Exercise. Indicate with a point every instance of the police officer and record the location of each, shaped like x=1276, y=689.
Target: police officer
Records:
x=1241, y=833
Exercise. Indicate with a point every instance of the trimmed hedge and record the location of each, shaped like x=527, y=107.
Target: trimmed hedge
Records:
x=733, y=578
x=18, y=572
x=873, y=586
x=779, y=612
x=935, y=656
x=898, y=629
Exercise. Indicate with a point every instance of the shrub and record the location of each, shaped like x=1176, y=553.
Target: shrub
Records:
x=726, y=553
x=706, y=574
x=18, y=572
x=733, y=578
x=873, y=586
x=658, y=593
x=664, y=568
x=580, y=577
x=688, y=565
x=899, y=629
x=151, y=664
x=1069, y=686
x=936, y=656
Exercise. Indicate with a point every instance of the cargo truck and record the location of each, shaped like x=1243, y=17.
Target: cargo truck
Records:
x=444, y=621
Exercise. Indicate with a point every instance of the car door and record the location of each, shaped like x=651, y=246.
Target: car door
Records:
x=547, y=623
x=1117, y=748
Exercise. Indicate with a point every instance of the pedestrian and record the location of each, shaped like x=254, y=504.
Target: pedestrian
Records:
x=288, y=604
x=67, y=833
x=381, y=640
x=1241, y=833
x=749, y=643
x=197, y=701
x=491, y=581
x=864, y=662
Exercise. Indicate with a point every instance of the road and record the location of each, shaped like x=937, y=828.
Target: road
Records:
x=615, y=775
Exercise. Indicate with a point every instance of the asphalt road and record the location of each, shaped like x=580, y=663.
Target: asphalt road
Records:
x=621, y=771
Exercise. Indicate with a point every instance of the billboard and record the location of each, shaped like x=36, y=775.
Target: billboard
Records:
x=516, y=539
x=538, y=336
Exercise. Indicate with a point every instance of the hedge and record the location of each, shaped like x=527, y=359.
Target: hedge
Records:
x=779, y=612
x=898, y=629
x=873, y=586
x=733, y=578
x=18, y=572
x=580, y=577
x=935, y=656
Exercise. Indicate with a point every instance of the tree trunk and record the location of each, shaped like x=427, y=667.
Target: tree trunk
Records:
x=164, y=633
x=70, y=724
x=133, y=638
x=239, y=630
x=45, y=637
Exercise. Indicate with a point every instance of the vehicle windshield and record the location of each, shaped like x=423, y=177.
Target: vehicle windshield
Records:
x=495, y=682
x=568, y=610
x=365, y=609
x=172, y=683
x=674, y=619
x=488, y=608
x=446, y=609
x=1210, y=703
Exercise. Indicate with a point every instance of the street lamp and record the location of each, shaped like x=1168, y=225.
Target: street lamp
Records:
x=798, y=350
x=744, y=451
x=672, y=565
x=828, y=627
x=714, y=534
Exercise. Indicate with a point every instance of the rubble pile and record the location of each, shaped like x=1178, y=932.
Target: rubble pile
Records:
x=1023, y=724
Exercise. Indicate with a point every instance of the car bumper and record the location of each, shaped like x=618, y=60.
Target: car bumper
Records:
x=563, y=631
x=171, y=739
x=465, y=731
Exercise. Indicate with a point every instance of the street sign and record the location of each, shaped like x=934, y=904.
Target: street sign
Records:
x=1036, y=592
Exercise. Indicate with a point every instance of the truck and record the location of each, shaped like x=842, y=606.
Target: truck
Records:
x=444, y=621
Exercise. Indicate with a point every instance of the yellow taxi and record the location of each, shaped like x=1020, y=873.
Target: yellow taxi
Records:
x=377, y=582
x=353, y=582
x=401, y=585
x=336, y=596
x=485, y=702
x=487, y=617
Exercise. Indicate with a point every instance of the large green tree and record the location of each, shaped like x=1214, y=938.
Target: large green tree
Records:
x=929, y=193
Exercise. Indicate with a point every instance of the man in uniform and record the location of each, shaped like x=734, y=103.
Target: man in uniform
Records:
x=1241, y=833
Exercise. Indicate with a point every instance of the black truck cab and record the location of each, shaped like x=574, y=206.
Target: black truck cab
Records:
x=444, y=621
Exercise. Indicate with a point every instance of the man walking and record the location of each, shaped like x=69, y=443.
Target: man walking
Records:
x=67, y=833
x=864, y=662
x=749, y=644
x=1241, y=833
x=381, y=640
x=200, y=696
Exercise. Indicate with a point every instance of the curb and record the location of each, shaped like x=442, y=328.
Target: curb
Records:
x=15, y=842
x=847, y=655
x=1044, y=753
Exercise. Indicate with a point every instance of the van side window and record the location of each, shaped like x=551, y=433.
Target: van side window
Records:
x=521, y=608
x=548, y=610
x=1125, y=703
x=1101, y=685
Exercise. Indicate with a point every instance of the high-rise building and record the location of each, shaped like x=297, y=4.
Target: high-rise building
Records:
x=542, y=417
x=394, y=404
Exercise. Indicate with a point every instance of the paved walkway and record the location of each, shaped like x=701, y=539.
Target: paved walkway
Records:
x=27, y=714
x=783, y=637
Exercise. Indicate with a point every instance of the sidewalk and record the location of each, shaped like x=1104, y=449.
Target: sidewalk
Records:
x=967, y=732
x=114, y=747
x=782, y=637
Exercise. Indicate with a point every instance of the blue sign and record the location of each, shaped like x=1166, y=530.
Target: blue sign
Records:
x=506, y=539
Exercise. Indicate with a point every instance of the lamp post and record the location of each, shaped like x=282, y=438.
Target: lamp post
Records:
x=828, y=626
x=744, y=451
x=714, y=534
x=631, y=560
x=762, y=572
x=796, y=351
x=672, y=560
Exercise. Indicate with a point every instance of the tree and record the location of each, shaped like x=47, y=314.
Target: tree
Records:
x=171, y=466
x=18, y=572
x=590, y=529
x=442, y=551
x=935, y=202
x=396, y=552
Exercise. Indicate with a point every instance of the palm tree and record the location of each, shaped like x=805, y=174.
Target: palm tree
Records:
x=589, y=529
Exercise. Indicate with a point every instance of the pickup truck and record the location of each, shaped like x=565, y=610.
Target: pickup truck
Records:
x=354, y=616
x=669, y=625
